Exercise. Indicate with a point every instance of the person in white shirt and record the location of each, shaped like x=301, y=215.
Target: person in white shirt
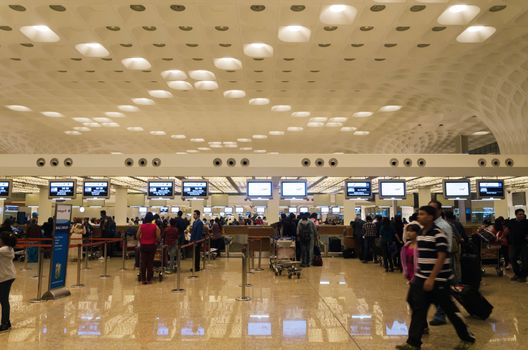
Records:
x=7, y=276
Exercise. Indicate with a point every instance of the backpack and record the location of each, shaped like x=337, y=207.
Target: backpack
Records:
x=305, y=233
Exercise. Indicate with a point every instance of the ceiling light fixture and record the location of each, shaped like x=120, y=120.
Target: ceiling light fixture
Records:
x=72, y=133
x=245, y=148
x=481, y=133
x=40, y=34
x=227, y=63
x=198, y=139
x=202, y=74
x=18, y=108
x=300, y=114
x=178, y=137
x=135, y=128
x=128, y=108
x=160, y=93
x=110, y=125
x=115, y=114
x=136, y=63
x=390, y=108
x=234, y=94
x=281, y=108
x=52, y=114
x=243, y=140
x=258, y=50
x=158, y=133
x=295, y=128
x=82, y=128
x=361, y=133
x=276, y=133
x=260, y=137
x=206, y=85
x=476, y=34
x=338, y=14
x=143, y=101
x=315, y=124
x=259, y=101
x=102, y=120
x=294, y=34
x=334, y=125
x=338, y=119
x=319, y=119
x=260, y=151
x=458, y=14
x=92, y=50
x=173, y=74
x=180, y=85
x=92, y=125
x=362, y=114
x=82, y=120
x=348, y=129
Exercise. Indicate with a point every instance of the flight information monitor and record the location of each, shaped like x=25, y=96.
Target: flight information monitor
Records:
x=5, y=188
x=325, y=210
x=228, y=210
x=96, y=189
x=392, y=189
x=259, y=189
x=360, y=189
x=490, y=189
x=163, y=189
x=239, y=210
x=62, y=189
x=195, y=189
x=457, y=189
x=293, y=189
x=303, y=210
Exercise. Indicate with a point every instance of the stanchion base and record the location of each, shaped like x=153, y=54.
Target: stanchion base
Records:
x=76, y=286
x=243, y=299
x=178, y=290
x=252, y=271
x=104, y=276
x=55, y=294
x=192, y=276
x=259, y=269
x=37, y=301
x=247, y=285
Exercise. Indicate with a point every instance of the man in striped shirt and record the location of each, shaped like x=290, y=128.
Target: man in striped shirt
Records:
x=430, y=285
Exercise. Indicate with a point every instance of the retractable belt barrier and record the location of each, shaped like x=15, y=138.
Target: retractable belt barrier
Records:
x=244, y=284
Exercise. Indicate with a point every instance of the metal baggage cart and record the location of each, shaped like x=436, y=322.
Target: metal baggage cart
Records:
x=283, y=258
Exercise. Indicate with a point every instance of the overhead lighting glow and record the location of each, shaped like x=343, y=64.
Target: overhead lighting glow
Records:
x=234, y=94
x=276, y=133
x=92, y=125
x=135, y=128
x=318, y=119
x=192, y=151
x=361, y=133
x=245, y=148
x=111, y=125
x=476, y=34
x=82, y=128
x=260, y=137
x=348, y=129
x=206, y=85
x=102, y=120
x=338, y=14
x=259, y=101
x=334, y=124
x=294, y=34
x=199, y=139
x=481, y=133
x=136, y=63
x=281, y=108
x=52, y=114
x=160, y=93
x=258, y=50
x=128, y=108
x=115, y=114
x=227, y=63
x=82, y=120
x=362, y=114
x=390, y=108
x=18, y=108
x=458, y=14
x=173, y=74
x=338, y=119
x=143, y=101
x=243, y=140
x=300, y=114
x=231, y=146
x=72, y=133
x=158, y=133
x=294, y=128
x=216, y=146
x=260, y=151
x=178, y=137
x=92, y=50
x=202, y=74
x=180, y=85
x=204, y=149
x=315, y=124
x=40, y=34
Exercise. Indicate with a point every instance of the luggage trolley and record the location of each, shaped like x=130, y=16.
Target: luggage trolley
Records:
x=490, y=250
x=283, y=258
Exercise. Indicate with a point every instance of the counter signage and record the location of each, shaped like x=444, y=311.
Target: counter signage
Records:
x=60, y=245
x=161, y=189
x=194, y=189
x=96, y=189
x=62, y=189
x=5, y=188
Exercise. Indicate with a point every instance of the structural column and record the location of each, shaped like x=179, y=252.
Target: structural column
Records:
x=272, y=209
x=349, y=211
x=121, y=205
x=198, y=205
x=424, y=196
x=45, y=205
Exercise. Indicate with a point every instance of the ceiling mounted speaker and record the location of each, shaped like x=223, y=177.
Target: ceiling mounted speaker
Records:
x=41, y=162
x=421, y=162
x=129, y=162
x=319, y=162
x=244, y=162
x=495, y=162
x=156, y=162
x=231, y=162
x=54, y=162
x=333, y=162
x=142, y=162
x=394, y=162
x=217, y=162
x=509, y=162
x=306, y=162
x=482, y=162
x=407, y=162
x=68, y=162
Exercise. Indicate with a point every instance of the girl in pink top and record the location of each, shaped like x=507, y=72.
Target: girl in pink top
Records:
x=408, y=252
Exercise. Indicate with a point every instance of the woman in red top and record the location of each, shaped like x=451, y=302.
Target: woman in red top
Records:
x=148, y=235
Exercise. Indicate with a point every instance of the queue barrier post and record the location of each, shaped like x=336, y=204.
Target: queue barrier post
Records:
x=204, y=257
x=123, y=253
x=79, y=258
x=259, y=267
x=39, y=257
x=178, y=288
x=244, y=284
x=26, y=258
x=249, y=258
x=105, y=271
x=39, y=299
x=193, y=275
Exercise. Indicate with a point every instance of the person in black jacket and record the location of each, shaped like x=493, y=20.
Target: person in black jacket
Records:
x=517, y=239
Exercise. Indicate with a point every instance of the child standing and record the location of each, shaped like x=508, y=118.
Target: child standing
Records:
x=408, y=252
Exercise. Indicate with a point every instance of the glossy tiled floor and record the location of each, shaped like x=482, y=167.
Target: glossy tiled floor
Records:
x=343, y=305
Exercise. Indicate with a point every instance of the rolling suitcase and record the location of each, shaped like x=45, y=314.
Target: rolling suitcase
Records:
x=334, y=245
x=474, y=303
x=470, y=268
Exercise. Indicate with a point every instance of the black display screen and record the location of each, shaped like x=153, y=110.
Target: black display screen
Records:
x=62, y=189
x=161, y=189
x=490, y=188
x=5, y=188
x=194, y=189
x=358, y=189
x=96, y=189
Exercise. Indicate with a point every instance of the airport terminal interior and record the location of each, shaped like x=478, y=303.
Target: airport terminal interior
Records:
x=124, y=117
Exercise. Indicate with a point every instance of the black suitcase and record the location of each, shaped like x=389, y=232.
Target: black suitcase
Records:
x=471, y=272
x=474, y=303
x=349, y=253
x=334, y=245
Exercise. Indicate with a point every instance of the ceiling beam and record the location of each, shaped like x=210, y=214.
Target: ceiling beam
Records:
x=315, y=183
x=230, y=179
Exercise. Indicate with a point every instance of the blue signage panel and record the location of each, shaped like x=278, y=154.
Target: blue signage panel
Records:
x=60, y=245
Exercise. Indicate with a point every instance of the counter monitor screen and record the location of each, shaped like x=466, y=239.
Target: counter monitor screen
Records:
x=239, y=210
x=303, y=210
x=195, y=189
x=259, y=189
x=96, y=189
x=293, y=189
x=325, y=210
x=228, y=210
x=62, y=189
x=358, y=189
x=292, y=210
x=5, y=188
x=207, y=210
x=160, y=189
x=488, y=189
x=392, y=189
x=457, y=189
x=261, y=210
x=336, y=210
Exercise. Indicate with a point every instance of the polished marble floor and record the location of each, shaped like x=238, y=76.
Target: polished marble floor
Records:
x=342, y=305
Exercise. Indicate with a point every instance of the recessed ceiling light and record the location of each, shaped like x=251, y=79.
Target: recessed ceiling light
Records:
x=110, y=125
x=143, y=101
x=102, y=120
x=180, y=85
x=276, y=133
x=202, y=74
x=300, y=114
x=174, y=74
x=315, y=124
x=294, y=34
x=92, y=125
x=52, y=114
x=281, y=108
x=18, y=108
x=138, y=8
x=234, y=94
x=82, y=119
x=198, y=139
x=476, y=34
x=348, y=129
x=206, y=85
x=73, y=133
x=227, y=63
x=128, y=108
x=390, y=108
x=92, y=50
x=177, y=7
x=40, y=34
x=260, y=137
x=204, y=149
x=135, y=128
x=244, y=140
x=362, y=114
x=216, y=146
x=136, y=63
x=178, y=137
x=318, y=119
x=82, y=128
x=338, y=14
x=338, y=119
x=458, y=14
x=116, y=153
x=160, y=93
x=260, y=151
x=158, y=133
x=361, y=133
x=231, y=146
x=258, y=50
x=245, y=148
x=334, y=125
x=115, y=114
x=294, y=128
x=192, y=151
x=297, y=8
x=257, y=8
x=481, y=133
x=259, y=101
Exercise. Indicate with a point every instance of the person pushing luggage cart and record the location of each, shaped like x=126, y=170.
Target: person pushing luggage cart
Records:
x=148, y=235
